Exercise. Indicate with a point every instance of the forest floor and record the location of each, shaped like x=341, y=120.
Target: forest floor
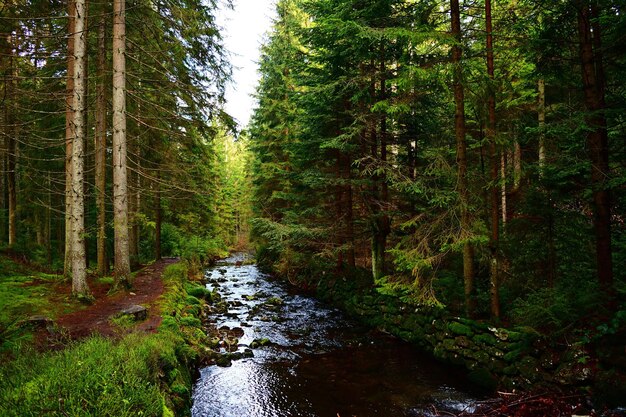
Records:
x=96, y=318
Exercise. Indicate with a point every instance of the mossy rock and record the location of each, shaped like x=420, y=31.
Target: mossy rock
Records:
x=528, y=367
x=456, y=359
x=494, y=352
x=440, y=353
x=439, y=324
x=460, y=329
x=513, y=355
x=450, y=345
x=484, y=339
x=224, y=361
x=463, y=342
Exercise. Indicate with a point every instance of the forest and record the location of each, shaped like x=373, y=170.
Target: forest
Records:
x=461, y=156
x=467, y=154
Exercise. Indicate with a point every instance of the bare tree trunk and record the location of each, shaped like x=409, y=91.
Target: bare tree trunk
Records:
x=69, y=114
x=133, y=193
x=597, y=139
x=120, y=177
x=541, y=118
x=5, y=54
x=503, y=186
x=158, y=221
x=350, y=257
x=461, y=159
x=11, y=140
x=491, y=137
x=382, y=221
x=79, y=275
x=100, y=148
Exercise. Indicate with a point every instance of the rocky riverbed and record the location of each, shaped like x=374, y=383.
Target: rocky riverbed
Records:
x=287, y=354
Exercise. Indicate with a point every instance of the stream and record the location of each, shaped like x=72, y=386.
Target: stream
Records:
x=317, y=362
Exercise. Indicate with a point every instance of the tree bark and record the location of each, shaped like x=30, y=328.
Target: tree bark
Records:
x=158, y=221
x=11, y=139
x=597, y=139
x=461, y=159
x=79, y=273
x=100, y=149
x=120, y=176
x=541, y=118
x=69, y=115
x=491, y=137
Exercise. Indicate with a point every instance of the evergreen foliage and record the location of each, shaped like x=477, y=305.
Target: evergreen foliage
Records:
x=356, y=163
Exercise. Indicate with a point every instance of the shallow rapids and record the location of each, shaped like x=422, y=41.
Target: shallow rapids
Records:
x=314, y=361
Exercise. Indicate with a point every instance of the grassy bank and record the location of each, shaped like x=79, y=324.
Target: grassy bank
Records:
x=139, y=374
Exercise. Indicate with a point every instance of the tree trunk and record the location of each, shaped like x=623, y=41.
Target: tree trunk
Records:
x=69, y=114
x=350, y=257
x=120, y=178
x=541, y=118
x=339, y=210
x=11, y=139
x=100, y=149
x=461, y=159
x=79, y=275
x=597, y=140
x=158, y=221
x=382, y=221
x=491, y=138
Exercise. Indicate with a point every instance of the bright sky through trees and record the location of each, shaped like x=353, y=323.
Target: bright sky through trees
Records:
x=244, y=28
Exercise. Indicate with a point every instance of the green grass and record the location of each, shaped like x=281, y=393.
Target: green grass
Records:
x=138, y=375
x=23, y=293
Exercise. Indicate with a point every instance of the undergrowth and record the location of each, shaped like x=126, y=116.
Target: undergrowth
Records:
x=138, y=375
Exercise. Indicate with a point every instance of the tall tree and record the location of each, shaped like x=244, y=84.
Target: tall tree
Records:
x=493, y=160
x=69, y=115
x=100, y=148
x=79, y=276
x=120, y=177
x=592, y=68
x=461, y=157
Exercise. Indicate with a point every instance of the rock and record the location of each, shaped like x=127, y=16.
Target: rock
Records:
x=484, y=339
x=274, y=301
x=259, y=343
x=37, y=321
x=237, y=331
x=460, y=329
x=224, y=361
x=138, y=312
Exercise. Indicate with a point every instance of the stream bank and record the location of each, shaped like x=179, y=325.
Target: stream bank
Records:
x=496, y=357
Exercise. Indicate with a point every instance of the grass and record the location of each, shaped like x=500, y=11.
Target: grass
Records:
x=137, y=375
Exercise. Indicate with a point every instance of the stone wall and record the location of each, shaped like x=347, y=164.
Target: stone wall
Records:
x=495, y=356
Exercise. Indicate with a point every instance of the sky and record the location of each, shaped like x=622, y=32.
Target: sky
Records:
x=244, y=29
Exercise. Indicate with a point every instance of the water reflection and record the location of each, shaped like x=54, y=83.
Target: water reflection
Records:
x=320, y=363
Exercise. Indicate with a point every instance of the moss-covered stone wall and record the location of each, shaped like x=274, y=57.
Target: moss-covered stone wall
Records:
x=495, y=356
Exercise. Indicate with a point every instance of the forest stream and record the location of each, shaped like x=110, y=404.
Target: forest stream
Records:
x=314, y=360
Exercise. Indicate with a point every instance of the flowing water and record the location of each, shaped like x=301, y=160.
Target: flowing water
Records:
x=319, y=362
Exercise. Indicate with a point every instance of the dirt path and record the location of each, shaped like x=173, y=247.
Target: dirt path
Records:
x=147, y=288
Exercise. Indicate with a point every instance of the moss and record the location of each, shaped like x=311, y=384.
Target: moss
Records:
x=460, y=329
x=191, y=300
x=190, y=321
x=512, y=356
x=484, y=339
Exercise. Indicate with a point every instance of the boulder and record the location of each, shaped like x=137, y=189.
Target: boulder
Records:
x=136, y=311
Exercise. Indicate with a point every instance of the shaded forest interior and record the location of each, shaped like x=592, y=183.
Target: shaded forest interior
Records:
x=461, y=154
